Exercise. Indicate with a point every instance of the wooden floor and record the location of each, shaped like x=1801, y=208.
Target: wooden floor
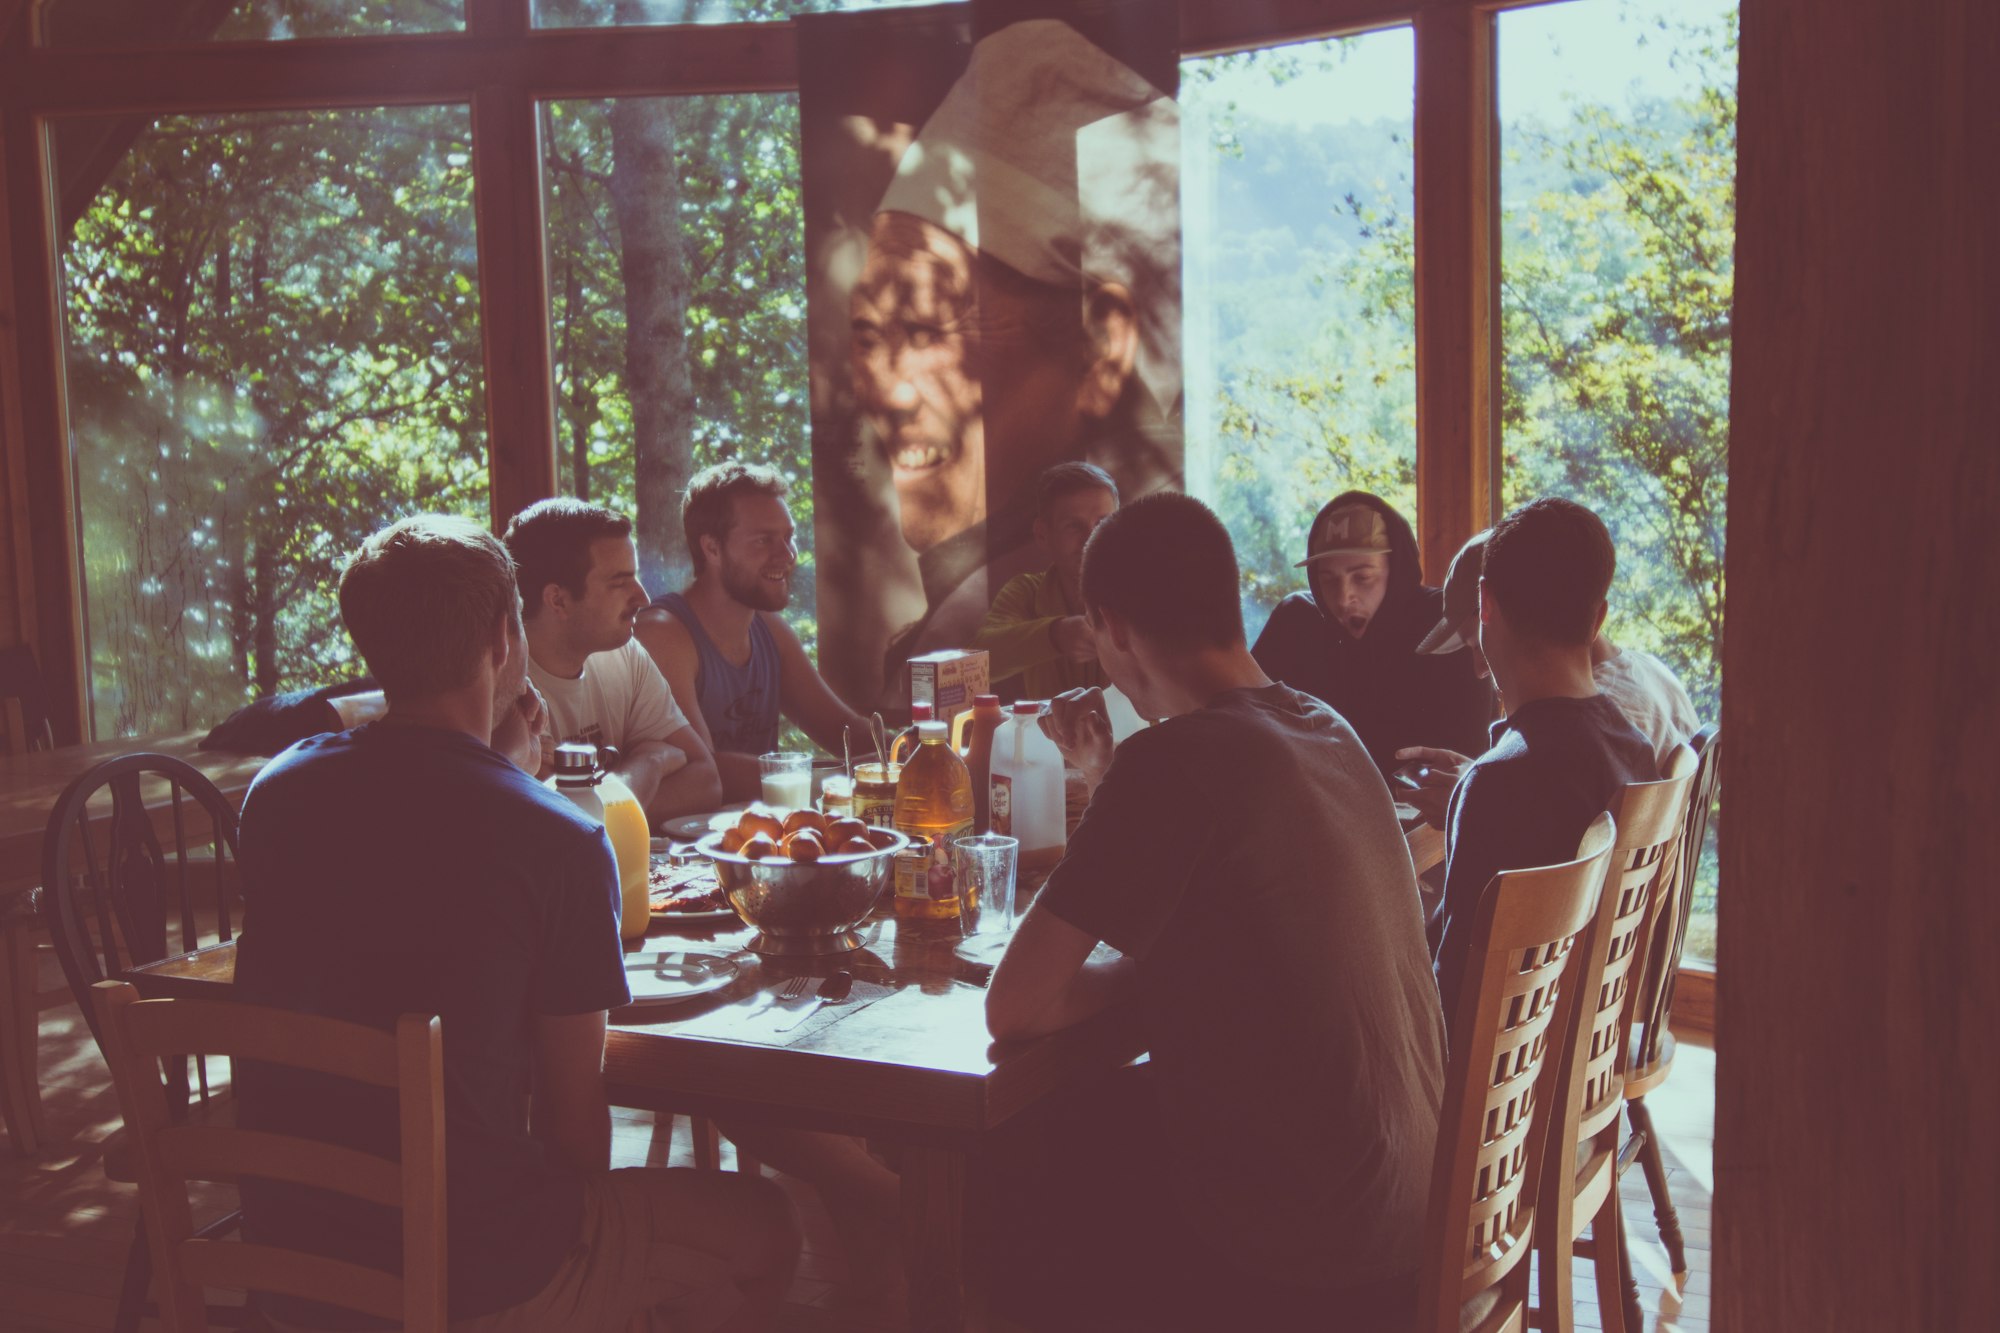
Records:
x=64, y=1228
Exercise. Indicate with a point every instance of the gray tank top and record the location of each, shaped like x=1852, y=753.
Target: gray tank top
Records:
x=740, y=703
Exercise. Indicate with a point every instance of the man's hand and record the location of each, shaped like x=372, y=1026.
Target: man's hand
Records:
x=519, y=734
x=1431, y=798
x=1074, y=639
x=1077, y=723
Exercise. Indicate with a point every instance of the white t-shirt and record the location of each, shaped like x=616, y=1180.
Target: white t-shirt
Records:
x=1646, y=692
x=620, y=699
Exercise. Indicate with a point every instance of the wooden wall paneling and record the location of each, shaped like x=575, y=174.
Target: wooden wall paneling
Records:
x=43, y=430
x=1857, y=1090
x=513, y=300
x=1458, y=280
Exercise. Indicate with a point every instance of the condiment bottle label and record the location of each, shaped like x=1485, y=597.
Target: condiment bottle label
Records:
x=926, y=871
x=1000, y=805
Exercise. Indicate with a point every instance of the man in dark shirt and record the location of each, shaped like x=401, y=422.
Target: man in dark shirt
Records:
x=1273, y=1160
x=409, y=866
x=1351, y=638
x=1563, y=749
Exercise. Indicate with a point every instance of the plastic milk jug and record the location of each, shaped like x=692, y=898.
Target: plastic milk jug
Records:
x=1025, y=794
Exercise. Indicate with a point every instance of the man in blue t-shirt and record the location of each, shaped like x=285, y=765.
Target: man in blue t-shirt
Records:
x=1563, y=750
x=411, y=865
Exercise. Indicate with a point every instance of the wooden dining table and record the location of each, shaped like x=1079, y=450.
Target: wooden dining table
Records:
x=905, y=1060
x=31, y=783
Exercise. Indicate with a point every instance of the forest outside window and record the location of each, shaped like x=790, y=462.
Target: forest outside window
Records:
x=677, y=302
x=272, y=348
x=85, y=23
x=1618, y=218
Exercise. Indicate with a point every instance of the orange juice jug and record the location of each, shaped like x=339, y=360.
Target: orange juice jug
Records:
x=934, y=805
x=605, y=798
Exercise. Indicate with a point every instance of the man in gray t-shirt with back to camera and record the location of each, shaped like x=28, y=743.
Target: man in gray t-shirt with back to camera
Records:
x=1273, y=1160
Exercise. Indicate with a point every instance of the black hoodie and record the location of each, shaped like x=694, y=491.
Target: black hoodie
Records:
x=1391, y=695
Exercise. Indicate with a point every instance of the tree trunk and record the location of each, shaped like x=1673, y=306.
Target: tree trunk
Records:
x=645, y=200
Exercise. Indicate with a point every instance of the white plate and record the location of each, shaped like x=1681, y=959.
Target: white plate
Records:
x=688, y=828
x=668, y=976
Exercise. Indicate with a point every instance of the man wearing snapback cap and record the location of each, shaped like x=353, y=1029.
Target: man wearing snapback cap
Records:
x=1351, y=638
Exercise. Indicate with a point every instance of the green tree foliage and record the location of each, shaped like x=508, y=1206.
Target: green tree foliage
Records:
x=273, y=347
x=1617, y=283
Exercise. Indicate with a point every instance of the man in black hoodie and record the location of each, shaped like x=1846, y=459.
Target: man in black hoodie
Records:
x=1351, y=639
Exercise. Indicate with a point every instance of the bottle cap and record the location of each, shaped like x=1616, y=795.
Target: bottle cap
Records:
x=920, y=710
x=1027, y=707
x=576, y=760
x=985, y=701
x=932, y=731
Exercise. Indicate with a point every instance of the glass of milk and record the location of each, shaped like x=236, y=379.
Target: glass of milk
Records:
x=787, y=778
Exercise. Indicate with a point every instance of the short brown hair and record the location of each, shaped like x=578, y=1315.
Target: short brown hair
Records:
x=550, y=541
x=1549, y=565
x=708, y=509
x=421, y=600
x=1067, y=479
x=1166, y=564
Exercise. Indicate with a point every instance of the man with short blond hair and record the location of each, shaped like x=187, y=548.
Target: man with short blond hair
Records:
x=408, y=866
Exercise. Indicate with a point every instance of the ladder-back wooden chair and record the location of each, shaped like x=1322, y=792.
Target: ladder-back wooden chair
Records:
x=138, y=1034
x=1498, y=1079
x=1650, y=1056
x=139, y=862
x=1581, y=1185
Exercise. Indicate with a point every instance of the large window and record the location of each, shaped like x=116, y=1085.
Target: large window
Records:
x=1618, y=217
x=1300, y=337
x=272, y=347
x=677, y=289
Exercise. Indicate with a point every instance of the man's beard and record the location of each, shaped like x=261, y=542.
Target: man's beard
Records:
x=750, y=588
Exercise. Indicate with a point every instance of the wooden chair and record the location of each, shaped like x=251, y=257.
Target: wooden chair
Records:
x=24, y=715
x=1581, y=1185
x=1650, y=1053
x=138, y=1034
x=112, y=897
x=1498, y=1080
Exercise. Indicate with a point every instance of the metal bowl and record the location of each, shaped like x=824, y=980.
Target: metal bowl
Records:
x=804, y=908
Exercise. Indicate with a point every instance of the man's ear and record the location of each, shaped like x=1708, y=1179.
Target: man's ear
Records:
x=555, y=598
x=1113, y=625
x=1041, y=532
x=711, y=551
x=1111, y=327
x=1597, y=621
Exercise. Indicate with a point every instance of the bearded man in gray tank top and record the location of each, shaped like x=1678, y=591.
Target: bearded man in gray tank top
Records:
x=725, y=649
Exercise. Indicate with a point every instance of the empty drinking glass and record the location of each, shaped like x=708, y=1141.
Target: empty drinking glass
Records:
x=987, y=863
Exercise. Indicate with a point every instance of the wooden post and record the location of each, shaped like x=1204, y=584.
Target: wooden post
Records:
x=1856, y=1089
x=1458, y=280
x=513, y=278
x=43, y=441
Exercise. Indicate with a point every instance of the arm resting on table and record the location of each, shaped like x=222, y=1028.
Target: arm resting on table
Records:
x=1046, y=981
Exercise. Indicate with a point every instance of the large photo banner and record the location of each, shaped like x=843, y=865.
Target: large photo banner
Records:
x=992, y=198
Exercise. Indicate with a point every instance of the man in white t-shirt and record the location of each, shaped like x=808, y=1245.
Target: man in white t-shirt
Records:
x=580, y=592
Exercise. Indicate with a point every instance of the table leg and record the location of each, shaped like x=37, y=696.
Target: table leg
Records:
x=934, y=1242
